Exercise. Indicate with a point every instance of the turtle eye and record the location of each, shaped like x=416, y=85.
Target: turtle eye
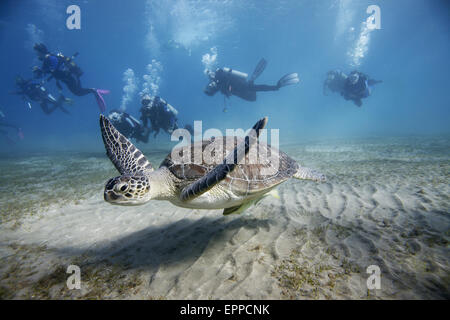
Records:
x=121, y=187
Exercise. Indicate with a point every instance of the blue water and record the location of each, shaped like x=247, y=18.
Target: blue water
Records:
x=409, y=53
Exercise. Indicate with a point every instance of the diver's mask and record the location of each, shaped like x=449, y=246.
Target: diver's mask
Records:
x=353, y=78
x=146, y=100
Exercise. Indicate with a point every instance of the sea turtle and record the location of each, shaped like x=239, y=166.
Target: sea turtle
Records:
x=231, y=184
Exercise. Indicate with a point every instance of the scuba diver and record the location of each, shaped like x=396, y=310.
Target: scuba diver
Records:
x=5, y=124
x=128, y=126
x=64, y=69
x=356, y=86
x=232, y=82
x=161, y=114
x=35, y=91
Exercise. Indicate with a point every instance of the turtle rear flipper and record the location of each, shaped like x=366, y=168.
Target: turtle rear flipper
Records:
x=123, y=154
x=220, y=172
x=237, y=209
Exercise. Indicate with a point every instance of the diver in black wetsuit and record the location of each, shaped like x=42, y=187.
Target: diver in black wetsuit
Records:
x=160, y=114
x=232, y=82
x=356, y=86
x=64, y=69
x=35, y=91
x=128, y=126
x=61, y=68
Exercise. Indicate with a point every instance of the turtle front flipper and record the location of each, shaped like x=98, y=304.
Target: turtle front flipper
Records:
x=220, y=172
x=123, y=154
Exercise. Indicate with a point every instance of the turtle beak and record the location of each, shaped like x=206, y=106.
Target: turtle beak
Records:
x=110, y=196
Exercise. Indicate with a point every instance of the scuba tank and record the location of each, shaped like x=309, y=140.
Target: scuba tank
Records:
x=236, y=74
x=70, y=64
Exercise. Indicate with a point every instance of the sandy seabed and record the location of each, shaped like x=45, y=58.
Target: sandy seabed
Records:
x=386, y=203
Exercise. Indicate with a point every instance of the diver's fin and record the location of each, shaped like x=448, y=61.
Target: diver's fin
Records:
x=258, y=70
x=290, y=78
x=68, y=101
x=100, y=101
x=309, y=174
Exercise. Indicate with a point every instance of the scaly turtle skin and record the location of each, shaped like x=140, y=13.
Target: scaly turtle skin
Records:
x=210, y=182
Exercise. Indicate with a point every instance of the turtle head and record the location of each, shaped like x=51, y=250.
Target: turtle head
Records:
x=128, y=190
